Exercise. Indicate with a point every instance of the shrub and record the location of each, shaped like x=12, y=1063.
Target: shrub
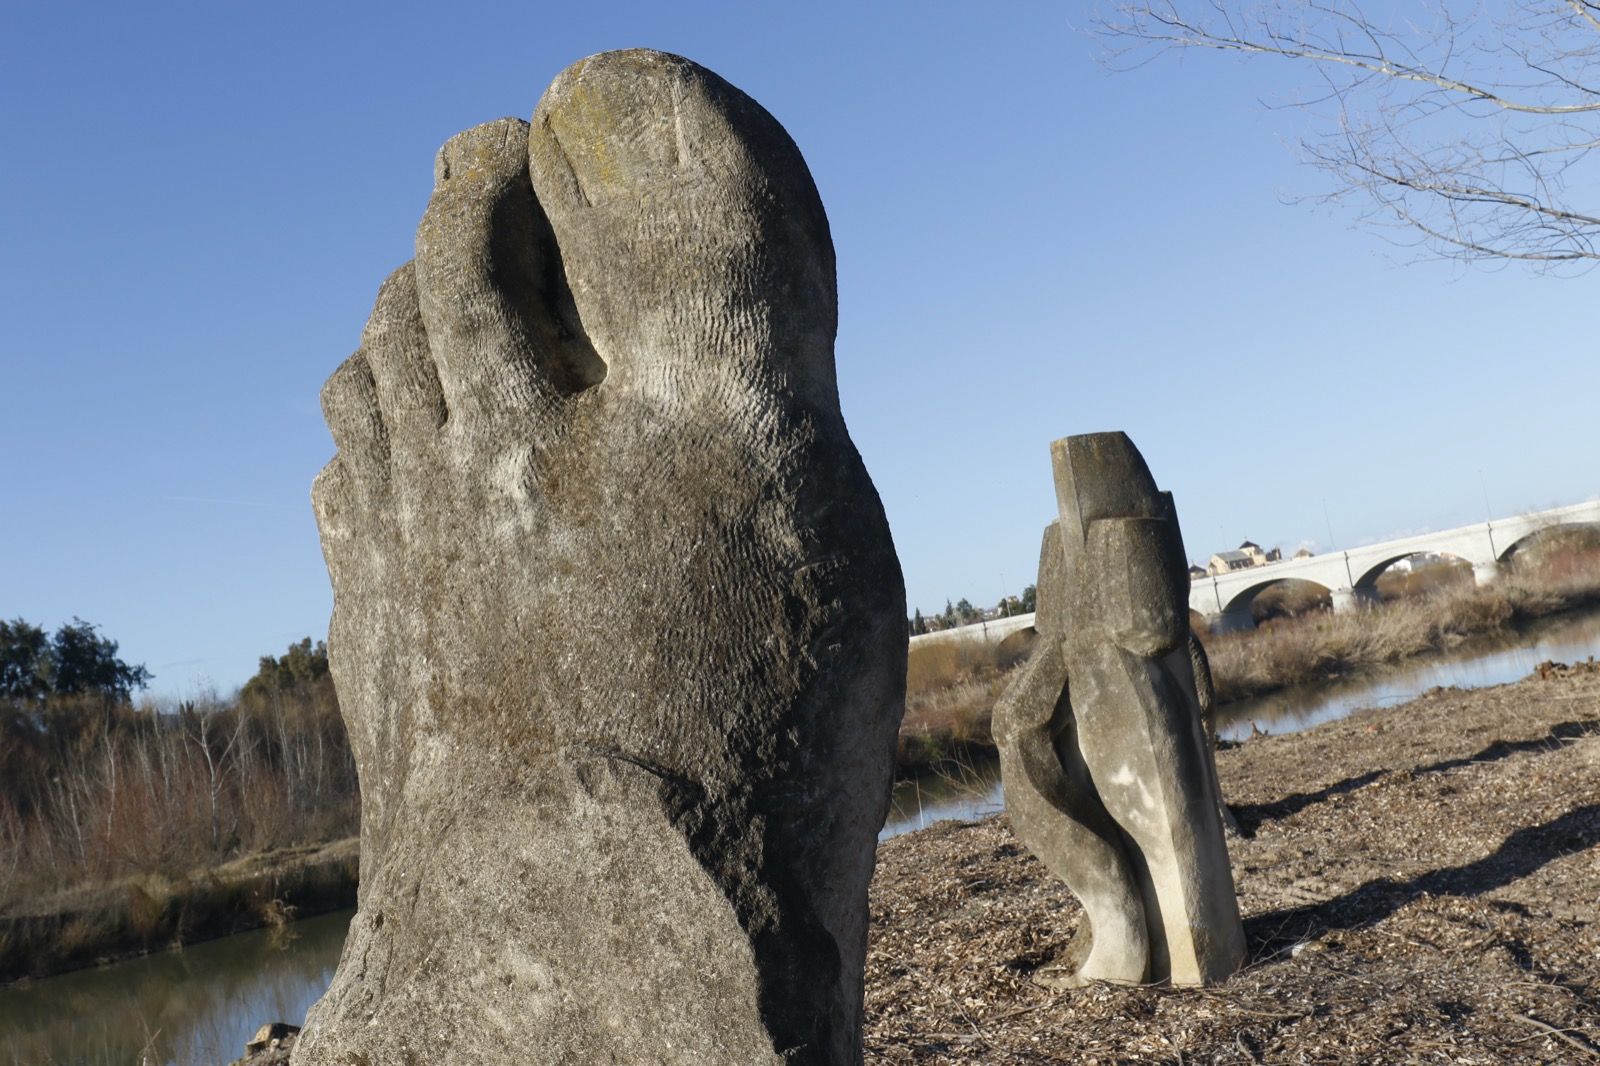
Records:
x=97, y=792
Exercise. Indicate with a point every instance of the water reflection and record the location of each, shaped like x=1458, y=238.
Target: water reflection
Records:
x=1477, y=663
x=194, y=1007
x=975, y=792
x=964, y=792
x=200, y=1005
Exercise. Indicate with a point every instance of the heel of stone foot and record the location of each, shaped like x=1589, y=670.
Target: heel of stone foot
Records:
x=1066, y=970
x=1113, y=963
x=1063, y=977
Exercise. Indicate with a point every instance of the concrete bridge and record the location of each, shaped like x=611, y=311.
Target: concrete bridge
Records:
x=1351, y=577
x=991, y=632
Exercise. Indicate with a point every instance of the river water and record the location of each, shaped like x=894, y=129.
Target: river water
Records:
x=1475, y=664
x=197, y=1007
x=194, y=1007
x=975, y=791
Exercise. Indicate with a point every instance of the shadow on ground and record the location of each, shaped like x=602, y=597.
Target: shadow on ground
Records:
x=1252, y=815
x=1519, y=855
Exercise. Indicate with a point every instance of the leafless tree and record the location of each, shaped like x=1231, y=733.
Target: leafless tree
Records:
x=1468, y=128
x=217, y=739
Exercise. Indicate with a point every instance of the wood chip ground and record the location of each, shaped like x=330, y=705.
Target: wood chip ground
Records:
x=1419, y=885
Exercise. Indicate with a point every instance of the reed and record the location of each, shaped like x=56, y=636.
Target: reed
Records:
x=951, y=689
x=952, y=685
x=1321, y=644
x=96, y=794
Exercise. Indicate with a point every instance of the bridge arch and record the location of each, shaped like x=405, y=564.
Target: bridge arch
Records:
x=1509, y=552
x=1226, y=599
x=1244, y=599
x=1369, y=577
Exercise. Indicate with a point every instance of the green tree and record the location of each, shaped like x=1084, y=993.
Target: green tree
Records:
x=82, y=661
x=299, y=670
x=919, y=625
x=77, y=660
x=1030, y=600
x=23, y=654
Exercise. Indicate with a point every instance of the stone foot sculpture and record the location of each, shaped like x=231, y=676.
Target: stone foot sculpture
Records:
x=1109, y=778
x=619, y=632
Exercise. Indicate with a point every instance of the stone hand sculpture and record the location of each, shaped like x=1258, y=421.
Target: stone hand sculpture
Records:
x=619, y=631
x=1109, y=778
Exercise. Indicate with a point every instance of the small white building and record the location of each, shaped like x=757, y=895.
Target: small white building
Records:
x=1247, y=555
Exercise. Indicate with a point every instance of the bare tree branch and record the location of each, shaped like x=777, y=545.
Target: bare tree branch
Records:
x=1590, y=13
x=1468, y=132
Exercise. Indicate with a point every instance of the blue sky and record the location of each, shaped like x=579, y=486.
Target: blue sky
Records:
x=200, y=200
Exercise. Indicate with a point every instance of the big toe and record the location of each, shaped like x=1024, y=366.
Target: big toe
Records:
x=689, y=228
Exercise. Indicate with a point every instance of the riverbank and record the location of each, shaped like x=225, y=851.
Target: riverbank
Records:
x=1418, y=884
x=1323, y=645
x=964, y=788
x=141, y=812
x=950, y=701
x=137, y=915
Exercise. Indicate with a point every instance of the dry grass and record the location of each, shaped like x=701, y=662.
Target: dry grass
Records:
x=126, y=831
x=951, y=689
x=952, y=685
x=1322, y=644
x=93, y=923
x=97, y=797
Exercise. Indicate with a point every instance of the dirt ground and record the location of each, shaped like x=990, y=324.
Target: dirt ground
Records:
x=1419, y=884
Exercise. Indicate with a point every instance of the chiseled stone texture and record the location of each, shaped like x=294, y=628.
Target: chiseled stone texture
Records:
x=619, y=631
x=1109, y=774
